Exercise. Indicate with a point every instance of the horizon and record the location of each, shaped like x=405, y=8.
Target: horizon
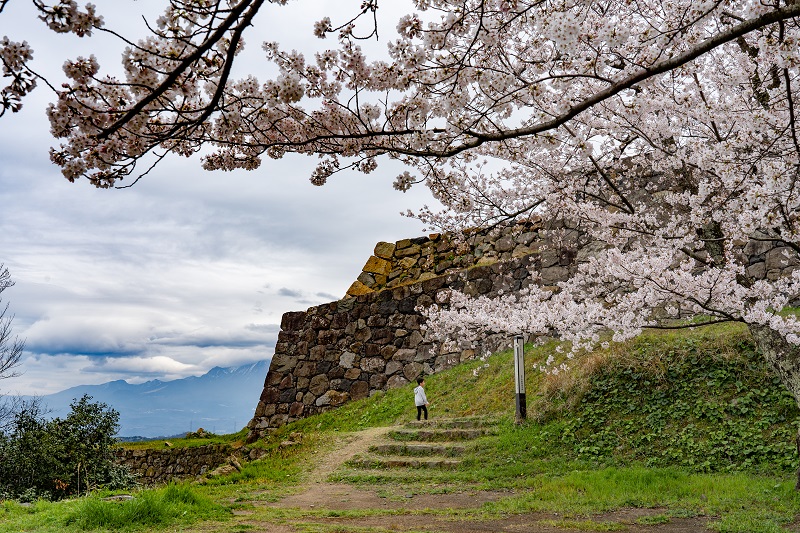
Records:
x=168, y=411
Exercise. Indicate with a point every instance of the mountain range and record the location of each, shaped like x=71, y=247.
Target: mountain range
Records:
x=221, y=401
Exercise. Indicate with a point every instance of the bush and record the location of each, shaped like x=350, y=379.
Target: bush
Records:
x=53, y=459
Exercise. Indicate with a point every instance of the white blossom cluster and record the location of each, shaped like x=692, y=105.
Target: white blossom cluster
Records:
x=63, y=17
x=666, y=130
x=14, y=57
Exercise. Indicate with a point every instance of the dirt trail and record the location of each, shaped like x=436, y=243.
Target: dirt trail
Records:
x=319, y=494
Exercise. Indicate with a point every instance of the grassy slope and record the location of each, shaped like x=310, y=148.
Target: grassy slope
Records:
x=692, y=422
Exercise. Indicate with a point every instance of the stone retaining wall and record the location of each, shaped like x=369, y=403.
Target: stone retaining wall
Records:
x=154, y=466
x=373, y=340
x=408, y=261
x=349, y=349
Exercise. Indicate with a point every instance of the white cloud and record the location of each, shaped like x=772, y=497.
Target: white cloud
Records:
x=187, y=270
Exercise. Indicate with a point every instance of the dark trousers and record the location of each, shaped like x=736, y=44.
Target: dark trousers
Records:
x=422, y=409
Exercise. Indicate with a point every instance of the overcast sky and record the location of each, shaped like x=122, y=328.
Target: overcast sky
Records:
x=188, y=269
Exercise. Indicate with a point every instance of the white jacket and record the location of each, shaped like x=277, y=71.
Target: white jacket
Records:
x=419, y=396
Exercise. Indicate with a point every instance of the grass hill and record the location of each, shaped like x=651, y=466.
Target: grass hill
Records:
x=674, y=431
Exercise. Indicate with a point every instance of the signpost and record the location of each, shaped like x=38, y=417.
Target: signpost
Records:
x=519, y=376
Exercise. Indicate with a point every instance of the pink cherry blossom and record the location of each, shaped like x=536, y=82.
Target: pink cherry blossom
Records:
x=664, y=131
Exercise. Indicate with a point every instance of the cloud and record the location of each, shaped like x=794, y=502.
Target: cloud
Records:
x=290, y=293
x=159, y=365
x=186, y=270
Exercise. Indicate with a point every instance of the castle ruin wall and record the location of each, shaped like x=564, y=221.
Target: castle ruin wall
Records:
x=374, y=340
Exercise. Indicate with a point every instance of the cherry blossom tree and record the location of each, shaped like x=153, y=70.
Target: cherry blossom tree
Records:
x=665, y=130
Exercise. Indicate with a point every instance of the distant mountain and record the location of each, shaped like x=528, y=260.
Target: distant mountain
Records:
x=220, y=401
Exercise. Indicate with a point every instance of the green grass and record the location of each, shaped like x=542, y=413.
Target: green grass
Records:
x=691, y=423
x=147, y=511
x=231, y=438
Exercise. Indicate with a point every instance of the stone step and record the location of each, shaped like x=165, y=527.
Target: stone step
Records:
x=417, y=450
x=402, y=462
x=451, y=423
x=429, y=435
x=388, y=476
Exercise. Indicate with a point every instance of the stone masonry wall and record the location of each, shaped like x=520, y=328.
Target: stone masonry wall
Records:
x=346, y=350
x=372, y=339
x=154, y=466
x=411, y=260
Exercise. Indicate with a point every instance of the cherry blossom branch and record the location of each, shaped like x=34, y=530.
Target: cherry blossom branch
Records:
x=246, y=9
x=630, y=81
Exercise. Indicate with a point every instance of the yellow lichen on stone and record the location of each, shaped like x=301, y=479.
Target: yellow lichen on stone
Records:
x=384, y=250
x=358, y=288
x=376, y=265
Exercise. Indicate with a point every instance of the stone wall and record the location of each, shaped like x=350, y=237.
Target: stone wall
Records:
x=412, y=260
x=373, y=340
x=154, y=466
x=347, y=350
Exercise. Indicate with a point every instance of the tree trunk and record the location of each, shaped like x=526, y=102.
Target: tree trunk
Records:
x=784, y=358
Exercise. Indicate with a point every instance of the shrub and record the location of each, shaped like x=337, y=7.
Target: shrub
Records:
x=52, y=459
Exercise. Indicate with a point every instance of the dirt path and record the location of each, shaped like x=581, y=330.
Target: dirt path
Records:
x=318, y=494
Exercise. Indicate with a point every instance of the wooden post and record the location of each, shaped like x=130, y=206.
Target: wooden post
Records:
x=519, y=377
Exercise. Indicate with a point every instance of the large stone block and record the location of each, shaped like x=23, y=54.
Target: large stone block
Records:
x=425, y=352
x=381, y=335
x=346, y=359
x=326, y=337
x=376, y=321
x=552, y=275
x=376, y=265
x=320, y=322
x=363, y=334
x=359, y=289
x=780, y=258
x=757, y=270
x=367, y=279
x=373, y=364
x=384, y=250
x=387, y=352
x=319, y=384
x=340, y=320
x=352, y=373
x=293, y=320
x=395, y=382
x=371, y=349
x=758, y=246
x=414, y=340
x=317, y=353
x=359, y=389
x=504, y=244
x=283, y=363
x=286, y=382
x=407, y=305
x=378, y=382
x=412, y=370
x=412, y=250
x=405, y=354
x=287, y=396
x=393, y=367
x=305, y=369
x=386, y=308
x=270, y=395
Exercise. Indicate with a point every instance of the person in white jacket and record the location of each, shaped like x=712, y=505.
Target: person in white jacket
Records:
x=420, y=399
